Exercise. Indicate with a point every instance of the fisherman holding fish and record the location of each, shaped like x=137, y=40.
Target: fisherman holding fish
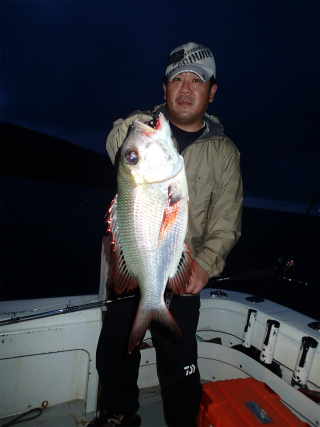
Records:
x=173, y=222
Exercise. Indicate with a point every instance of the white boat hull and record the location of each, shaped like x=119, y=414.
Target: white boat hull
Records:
x=50, y=361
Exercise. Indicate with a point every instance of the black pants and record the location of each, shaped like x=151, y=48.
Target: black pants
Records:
x=176, y=361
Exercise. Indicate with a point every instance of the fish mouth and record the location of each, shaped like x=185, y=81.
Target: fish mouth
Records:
x=143, y=127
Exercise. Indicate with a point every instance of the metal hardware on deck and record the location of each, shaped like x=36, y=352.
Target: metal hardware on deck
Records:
x=255, y=299
x=269, y=341
x=218, y=294
x=315, y=326
x=304, y=361
x=249, y=328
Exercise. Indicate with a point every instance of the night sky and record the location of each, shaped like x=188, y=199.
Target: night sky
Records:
x=70, y=68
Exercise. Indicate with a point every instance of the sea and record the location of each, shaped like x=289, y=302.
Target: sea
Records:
x=51, y=236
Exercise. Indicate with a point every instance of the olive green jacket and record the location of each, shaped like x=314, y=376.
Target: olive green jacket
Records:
x=212, y=166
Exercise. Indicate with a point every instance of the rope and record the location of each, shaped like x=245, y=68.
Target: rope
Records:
x=18, y=419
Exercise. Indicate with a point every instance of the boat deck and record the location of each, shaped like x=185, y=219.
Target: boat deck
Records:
x=70, y=414
x=150, y=410
x=51, y=359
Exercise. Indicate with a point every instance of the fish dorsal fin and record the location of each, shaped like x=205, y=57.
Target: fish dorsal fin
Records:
x=122, y=279
x=170, y=213
x=180, y=281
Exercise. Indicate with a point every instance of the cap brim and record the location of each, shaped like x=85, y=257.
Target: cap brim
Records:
x=199, y=71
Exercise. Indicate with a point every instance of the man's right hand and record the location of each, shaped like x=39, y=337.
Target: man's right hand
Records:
x=120, y=130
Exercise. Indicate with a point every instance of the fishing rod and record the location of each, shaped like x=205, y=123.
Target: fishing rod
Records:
x=263, y=272
x=252, y=274
x=295, y=232
x=282, y=268
x=68, y=309
x=289, y=264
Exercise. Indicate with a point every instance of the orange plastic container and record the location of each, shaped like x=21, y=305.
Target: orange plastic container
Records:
x=243, y=402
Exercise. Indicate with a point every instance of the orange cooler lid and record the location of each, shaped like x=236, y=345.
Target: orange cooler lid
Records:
x=243, y=402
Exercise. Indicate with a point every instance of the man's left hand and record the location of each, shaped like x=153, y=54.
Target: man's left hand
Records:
x=198, y=281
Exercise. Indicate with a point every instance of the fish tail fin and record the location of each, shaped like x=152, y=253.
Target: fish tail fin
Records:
x=164, y=316
x=142, y=321
x=139, y=328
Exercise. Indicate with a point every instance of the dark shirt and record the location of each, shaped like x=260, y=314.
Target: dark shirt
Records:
x=183, y=137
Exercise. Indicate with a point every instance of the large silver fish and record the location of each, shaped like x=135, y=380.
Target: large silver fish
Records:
x=148, y=222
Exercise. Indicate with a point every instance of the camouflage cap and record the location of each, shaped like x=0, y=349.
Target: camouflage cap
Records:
x=191, y=57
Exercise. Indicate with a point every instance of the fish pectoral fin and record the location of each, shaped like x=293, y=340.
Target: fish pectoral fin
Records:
x=170, y=213
x=180, y=281
x=123, y=280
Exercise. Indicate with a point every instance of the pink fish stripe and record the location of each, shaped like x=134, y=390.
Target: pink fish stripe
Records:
x=169, y=219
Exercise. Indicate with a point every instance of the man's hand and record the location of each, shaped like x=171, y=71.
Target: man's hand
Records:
x=198, y=281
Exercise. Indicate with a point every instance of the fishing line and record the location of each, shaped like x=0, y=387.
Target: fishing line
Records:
x=58, y=228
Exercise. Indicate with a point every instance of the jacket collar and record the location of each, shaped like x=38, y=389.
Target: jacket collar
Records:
x=213, y=126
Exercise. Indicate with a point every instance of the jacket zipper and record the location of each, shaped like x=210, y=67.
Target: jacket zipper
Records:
x=210, y=201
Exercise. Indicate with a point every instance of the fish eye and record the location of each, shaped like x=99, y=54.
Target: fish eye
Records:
x=131, y=156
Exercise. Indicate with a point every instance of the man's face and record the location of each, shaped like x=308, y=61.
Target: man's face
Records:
x=187, y=98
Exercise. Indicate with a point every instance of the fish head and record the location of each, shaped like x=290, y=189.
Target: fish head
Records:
x=148, y=154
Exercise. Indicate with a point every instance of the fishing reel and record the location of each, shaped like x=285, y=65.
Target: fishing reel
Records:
x=285, y=269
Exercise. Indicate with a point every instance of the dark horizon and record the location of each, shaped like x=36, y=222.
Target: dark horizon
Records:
x=31, y=154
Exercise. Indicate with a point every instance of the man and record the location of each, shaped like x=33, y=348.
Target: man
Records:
x=212, y=164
